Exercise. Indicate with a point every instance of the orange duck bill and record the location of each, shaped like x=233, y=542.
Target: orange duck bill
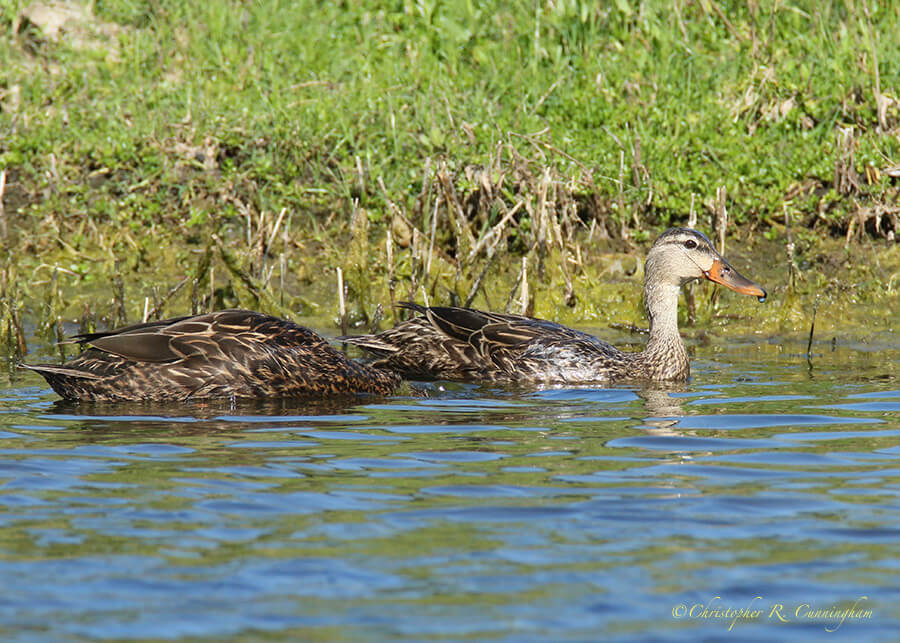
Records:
x=721, y=272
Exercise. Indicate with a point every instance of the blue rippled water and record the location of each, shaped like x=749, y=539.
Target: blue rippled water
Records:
x=761, y=501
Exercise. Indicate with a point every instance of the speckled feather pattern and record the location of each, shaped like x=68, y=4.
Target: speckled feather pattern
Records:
x=469, y=345
x=231, y=353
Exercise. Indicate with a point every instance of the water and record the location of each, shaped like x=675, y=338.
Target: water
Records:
x=765, y=484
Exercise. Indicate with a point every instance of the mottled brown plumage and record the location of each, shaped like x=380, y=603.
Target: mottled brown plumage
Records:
x=226, y=354
x=472, y=345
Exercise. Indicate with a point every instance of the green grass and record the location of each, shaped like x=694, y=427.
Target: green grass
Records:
x=208, y=115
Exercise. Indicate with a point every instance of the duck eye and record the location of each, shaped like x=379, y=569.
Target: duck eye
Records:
x=690, y=244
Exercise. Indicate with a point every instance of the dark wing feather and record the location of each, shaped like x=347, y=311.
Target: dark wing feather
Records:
x=50, y=370
x=459, y=323
x=86, y=338
x=517, y=333
x=138, y=346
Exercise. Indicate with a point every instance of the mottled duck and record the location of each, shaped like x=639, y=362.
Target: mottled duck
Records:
x=225, y=354
x=471, y=345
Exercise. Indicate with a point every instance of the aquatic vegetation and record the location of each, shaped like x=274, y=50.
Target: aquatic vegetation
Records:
x=164, y=158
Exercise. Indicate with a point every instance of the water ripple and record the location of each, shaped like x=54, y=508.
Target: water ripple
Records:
x=471, y=513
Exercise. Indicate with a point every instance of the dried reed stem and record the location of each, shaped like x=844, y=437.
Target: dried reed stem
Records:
x=569, y=294
x=212, y=288
x=689, y=288
x=734, y=32
x=477, y=284
x=342, y=308
x=881, y=103
x=274, y=232
x=434, y=219
x=464, y=238
x=414, y=261
x=620, y=197
x=257, y=289
x=493, y=235
x=282, y=268
x=846, y=180
x=9, y=297
x=260, y=243
x=119, y=296
x=203, y=269
x=721, y=216
x=157, y=309
x=60, y=338
x=390, y=266
x=789, y=247
x=360, y=176
x=812, y=328
x=17, y=331
x=721, y=226
x=522, y=286
x=4, y=230
x=377, y=316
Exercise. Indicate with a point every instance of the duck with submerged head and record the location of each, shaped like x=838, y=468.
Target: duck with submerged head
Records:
x=471, y=345
x=225, y=354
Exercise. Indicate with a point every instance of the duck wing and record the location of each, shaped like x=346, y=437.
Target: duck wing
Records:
x=466, y=344
x=218, y=335
x=489, y=332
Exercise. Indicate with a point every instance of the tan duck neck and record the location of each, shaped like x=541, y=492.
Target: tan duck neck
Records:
x=664, y=350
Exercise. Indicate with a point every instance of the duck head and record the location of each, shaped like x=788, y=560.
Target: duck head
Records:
x=681, y=255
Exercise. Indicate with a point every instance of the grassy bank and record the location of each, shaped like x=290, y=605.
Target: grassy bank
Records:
x=167, y=156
